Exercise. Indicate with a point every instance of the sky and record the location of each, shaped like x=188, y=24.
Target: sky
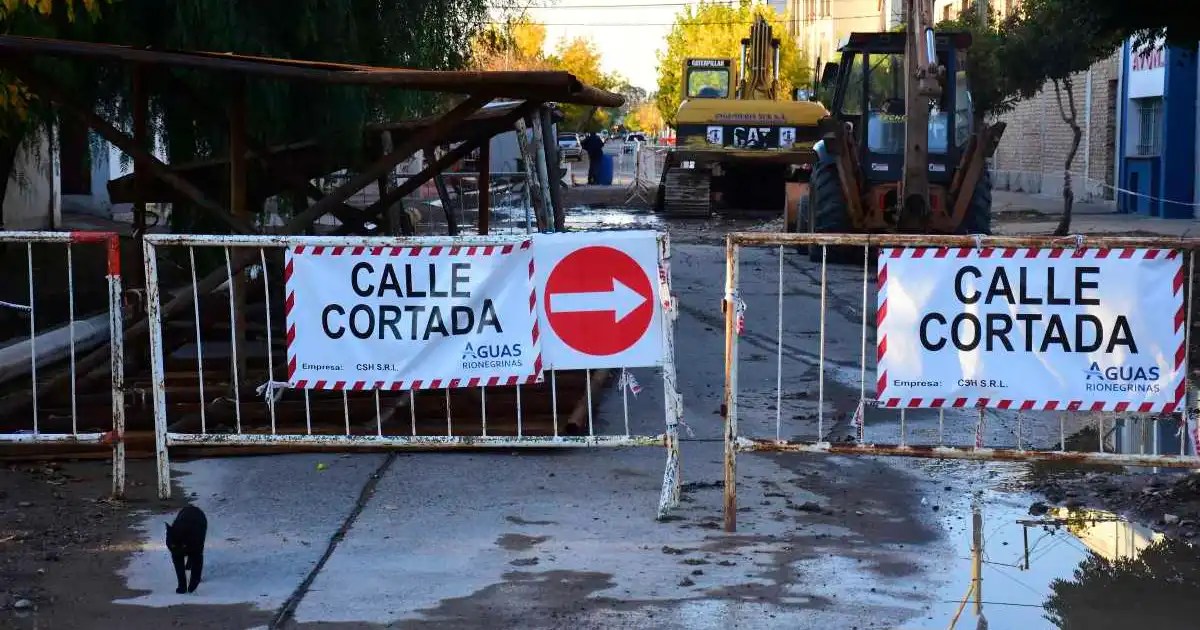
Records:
x=628, y=33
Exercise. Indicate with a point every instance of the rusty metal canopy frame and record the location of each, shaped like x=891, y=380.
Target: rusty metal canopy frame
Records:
x=536, y=85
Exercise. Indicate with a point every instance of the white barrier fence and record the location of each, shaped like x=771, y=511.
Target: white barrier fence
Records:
x=72, y=316
x=822, y=389
x=197, y=363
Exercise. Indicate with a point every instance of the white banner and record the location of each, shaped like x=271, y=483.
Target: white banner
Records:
x=1050, y=329
x=411, y=317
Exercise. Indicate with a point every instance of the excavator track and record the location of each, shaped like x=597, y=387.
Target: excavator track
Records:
x=687, y=193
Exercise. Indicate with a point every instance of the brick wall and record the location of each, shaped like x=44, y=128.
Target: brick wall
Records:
x=1033, y=151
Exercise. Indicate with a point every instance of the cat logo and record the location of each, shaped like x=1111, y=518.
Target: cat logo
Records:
x=751, y=137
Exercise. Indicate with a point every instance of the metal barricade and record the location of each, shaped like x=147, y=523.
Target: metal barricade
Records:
x=822, y=396
x=647, y=172
x=61, y=325
x=197, y=364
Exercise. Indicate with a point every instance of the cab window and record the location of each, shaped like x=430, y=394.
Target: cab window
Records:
x=708, y=83
x=852, y=97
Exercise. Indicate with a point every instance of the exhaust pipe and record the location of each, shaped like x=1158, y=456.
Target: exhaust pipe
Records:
x=775, y=74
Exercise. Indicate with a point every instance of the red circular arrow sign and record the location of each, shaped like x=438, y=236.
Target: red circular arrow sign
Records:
x=599, y=300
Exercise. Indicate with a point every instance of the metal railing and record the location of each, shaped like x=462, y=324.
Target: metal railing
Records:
x=72, y=416
x=200, y=368
x=822, y=397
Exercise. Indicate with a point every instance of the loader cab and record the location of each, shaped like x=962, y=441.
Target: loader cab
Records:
x=868, y=93
x=707, y=78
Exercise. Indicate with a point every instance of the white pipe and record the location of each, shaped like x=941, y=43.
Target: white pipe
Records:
x=1120, y=123
x=54, y=345
x=1196, y=145
x=1087, y=139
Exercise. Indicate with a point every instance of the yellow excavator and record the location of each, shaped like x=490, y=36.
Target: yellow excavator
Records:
x=739, y=144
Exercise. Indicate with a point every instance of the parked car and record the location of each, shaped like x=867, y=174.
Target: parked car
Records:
x=633, y=141
x=570, y=146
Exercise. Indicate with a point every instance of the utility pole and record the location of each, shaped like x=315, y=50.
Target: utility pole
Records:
x=982, y=5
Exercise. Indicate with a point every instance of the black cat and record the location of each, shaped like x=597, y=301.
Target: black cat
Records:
x=185, y=539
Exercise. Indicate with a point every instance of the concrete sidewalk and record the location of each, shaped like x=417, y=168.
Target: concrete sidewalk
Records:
x=1022, y=213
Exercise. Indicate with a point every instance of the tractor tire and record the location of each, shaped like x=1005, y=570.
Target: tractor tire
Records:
x=827, y=208
x=978, y=219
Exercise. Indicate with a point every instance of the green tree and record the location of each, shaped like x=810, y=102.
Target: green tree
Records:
x=1053, y=40
x=714, y=29
x=1046, y=42
x=22, y=115
x=1160, y=588
x=434, y=34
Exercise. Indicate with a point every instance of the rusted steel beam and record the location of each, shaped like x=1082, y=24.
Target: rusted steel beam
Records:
x=238, y=206
x=47, y=88
x=455, y=154
x=553, y=85
x=429, y=136
x=439, y=182
x=968, y=452
x=346, y=214
x=141, y=135
x=948, y=240
x=485, y=187
x=550, y=143
x=529, y=159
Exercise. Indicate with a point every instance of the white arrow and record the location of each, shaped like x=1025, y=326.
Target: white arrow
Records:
x=621, y=300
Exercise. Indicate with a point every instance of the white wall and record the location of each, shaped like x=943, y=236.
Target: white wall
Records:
x=98, y=202
x=32, y=200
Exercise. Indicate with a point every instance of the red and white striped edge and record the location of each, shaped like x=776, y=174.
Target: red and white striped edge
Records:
x=434, y=250
x=408, y=250
x=886, y=254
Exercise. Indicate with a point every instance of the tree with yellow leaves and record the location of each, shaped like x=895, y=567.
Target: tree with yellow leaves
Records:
x=717, y=30
x=580, y=57
x=514, y=45
x=646, y=118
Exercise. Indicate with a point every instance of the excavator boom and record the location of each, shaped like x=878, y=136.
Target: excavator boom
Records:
x=922, y=75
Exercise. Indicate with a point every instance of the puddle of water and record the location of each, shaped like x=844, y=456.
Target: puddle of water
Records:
x=1058, y=568
x=599, y=218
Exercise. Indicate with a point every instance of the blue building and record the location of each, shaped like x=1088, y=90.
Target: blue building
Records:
x=1157, y=143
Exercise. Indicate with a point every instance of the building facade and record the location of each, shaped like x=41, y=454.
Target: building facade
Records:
x=1158, y=170
x=819, y=26
x=33, y=200
x=1032, y=155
